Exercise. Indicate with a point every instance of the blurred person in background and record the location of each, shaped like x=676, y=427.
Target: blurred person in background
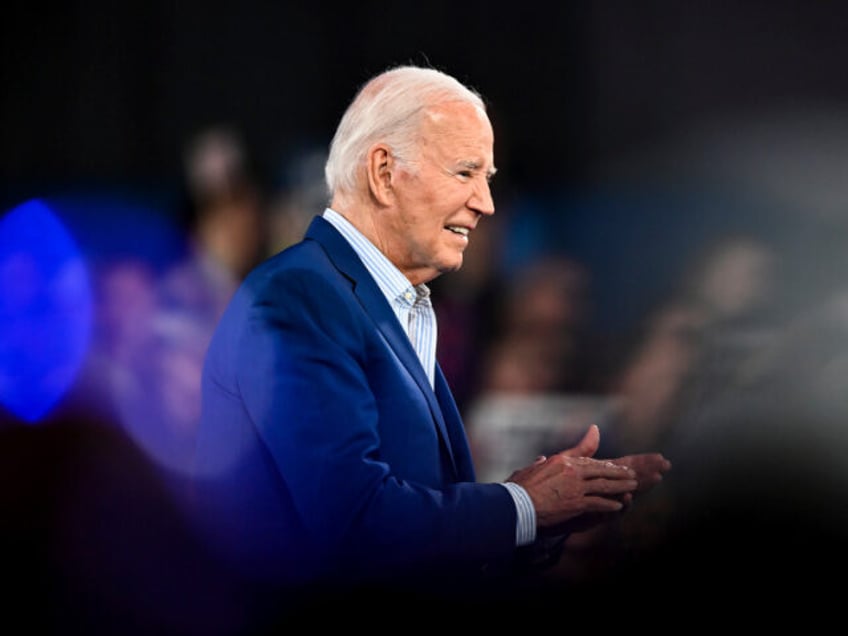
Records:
x=539, y=346
x=332, y=458
x=153, y=324
x=710, y=338
x=224, y=221
x=119, y=365
x=226, y=232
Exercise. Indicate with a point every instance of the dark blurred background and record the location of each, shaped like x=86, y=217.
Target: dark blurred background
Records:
x=667, y=260
x=97, y=92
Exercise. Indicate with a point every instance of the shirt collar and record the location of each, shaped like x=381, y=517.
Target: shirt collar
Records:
x=389, y=278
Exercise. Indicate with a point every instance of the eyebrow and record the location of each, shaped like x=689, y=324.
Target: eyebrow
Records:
x=475, y=165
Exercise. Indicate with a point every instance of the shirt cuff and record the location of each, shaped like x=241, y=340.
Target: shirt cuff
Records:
x=525, y=524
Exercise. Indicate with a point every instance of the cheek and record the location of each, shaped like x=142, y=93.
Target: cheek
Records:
x=425, y=233
x=424, y=215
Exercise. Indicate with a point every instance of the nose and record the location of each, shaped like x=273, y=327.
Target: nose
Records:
x=481, y=198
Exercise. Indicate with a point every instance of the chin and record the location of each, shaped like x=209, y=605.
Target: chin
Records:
x=452, y=266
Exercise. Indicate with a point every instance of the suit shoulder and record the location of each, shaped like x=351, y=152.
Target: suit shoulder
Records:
x=305, y=266
x=303, y=256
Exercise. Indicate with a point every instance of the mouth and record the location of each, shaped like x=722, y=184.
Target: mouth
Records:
x=456, y=229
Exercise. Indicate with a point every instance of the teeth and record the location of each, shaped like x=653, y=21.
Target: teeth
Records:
x=458, y=230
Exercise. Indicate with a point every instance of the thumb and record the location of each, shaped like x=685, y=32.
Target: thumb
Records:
x=588, y=445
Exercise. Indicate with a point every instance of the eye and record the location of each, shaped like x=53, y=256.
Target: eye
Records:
x=465, y=174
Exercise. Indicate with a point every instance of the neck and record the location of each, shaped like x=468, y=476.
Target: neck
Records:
x=361, y=215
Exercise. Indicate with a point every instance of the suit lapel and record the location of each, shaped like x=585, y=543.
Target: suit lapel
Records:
x=346, y=260
x=456, y=431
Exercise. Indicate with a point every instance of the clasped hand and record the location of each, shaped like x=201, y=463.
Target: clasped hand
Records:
x=570, y=490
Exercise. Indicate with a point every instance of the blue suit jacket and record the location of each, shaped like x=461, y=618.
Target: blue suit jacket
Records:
x=323, y=454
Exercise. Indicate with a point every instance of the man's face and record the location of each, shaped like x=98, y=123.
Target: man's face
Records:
x=440, y=201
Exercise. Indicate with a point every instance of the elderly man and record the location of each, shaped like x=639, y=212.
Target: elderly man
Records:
x=331, y=451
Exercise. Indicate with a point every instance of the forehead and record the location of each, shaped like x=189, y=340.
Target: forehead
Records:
x=458, y=128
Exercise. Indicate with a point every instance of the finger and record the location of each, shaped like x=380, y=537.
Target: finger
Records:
x=649, y=481
x=594, y=469
x=612, y=467
x=588, y=445
x=649, y=468
x=610, y=486
x=648, y=462
x=602, y=504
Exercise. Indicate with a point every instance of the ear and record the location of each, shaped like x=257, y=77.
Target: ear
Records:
x=379, y=166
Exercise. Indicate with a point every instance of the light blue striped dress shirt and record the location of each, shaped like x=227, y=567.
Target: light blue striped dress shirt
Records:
x=414, y=311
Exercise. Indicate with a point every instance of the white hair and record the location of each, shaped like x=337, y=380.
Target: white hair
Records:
x=388, y=108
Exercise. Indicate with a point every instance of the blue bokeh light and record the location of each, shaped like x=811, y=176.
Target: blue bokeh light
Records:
x=45, y=310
